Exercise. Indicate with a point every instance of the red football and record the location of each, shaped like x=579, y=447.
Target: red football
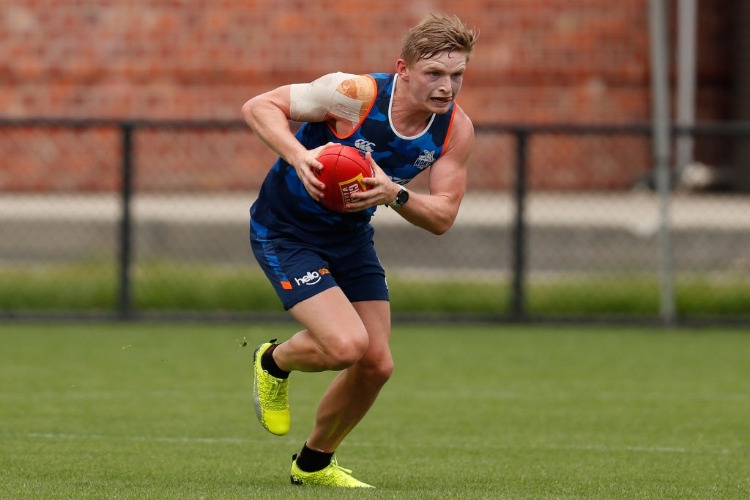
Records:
x=343, y=170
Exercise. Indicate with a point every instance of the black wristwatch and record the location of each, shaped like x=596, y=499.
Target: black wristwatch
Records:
x=401, y=198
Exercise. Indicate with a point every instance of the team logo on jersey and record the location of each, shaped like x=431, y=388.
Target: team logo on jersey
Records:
x=364, y=146
x=424, y=160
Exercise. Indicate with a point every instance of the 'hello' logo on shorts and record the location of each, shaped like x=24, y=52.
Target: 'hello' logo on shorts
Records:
x=312, y=277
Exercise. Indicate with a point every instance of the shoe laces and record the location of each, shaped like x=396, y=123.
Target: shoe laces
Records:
x=277, y=389
x=336, y=467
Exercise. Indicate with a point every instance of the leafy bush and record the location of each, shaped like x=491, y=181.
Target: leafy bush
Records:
x=196, y=287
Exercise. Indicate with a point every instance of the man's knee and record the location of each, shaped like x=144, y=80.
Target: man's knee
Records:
x=383, y=371
x=376, y=371
x=343, y=351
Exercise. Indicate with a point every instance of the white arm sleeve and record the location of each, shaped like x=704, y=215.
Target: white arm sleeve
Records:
x=313, y=102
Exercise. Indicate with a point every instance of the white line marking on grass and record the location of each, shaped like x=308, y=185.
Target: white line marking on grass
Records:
x=294, y=439
x=154, y=439
x=552, y=447
x=638, y=449
x=583, y=394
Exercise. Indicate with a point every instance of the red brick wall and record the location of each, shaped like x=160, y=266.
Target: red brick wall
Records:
x=537, y=61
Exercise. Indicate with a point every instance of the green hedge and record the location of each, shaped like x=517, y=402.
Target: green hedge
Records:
x=92, y=286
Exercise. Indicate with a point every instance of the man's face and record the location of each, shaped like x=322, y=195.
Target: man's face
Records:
x=435, y=82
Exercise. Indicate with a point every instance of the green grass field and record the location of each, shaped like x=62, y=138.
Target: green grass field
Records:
x=164, y=411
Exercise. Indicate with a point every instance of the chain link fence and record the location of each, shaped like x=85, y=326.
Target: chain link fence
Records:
x=131, y=220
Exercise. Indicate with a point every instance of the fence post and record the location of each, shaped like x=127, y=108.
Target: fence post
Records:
x=661, y=151
x=124, y=299
x=518, y=298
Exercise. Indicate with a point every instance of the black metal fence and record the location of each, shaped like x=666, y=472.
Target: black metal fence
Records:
x=148, y=219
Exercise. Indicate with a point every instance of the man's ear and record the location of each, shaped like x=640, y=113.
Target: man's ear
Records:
x=402, y=70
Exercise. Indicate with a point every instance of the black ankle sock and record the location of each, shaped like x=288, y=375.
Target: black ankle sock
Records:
x=269, y=364
x=310, y=460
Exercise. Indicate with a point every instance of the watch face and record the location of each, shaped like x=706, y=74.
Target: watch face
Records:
x=402, y=197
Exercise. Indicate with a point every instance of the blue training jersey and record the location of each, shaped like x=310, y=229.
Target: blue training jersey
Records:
x=284, y=205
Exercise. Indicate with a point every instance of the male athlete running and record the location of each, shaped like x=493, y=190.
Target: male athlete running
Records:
x=323, y=264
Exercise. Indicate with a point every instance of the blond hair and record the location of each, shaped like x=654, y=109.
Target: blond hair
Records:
x=435, y=34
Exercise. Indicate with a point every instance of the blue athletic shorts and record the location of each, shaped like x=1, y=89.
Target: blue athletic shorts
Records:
x=300, y=269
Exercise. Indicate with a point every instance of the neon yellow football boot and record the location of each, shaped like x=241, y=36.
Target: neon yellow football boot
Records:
x=333, y=475
x=271, y=396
